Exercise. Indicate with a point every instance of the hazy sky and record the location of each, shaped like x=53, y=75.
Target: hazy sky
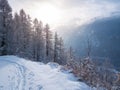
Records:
x=67, y=12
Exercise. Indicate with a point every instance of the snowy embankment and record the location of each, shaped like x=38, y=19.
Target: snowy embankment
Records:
x=20, y=74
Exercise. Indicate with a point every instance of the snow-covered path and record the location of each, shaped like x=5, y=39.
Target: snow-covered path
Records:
x=19, y=74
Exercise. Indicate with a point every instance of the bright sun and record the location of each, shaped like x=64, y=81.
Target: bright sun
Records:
x=47, y=13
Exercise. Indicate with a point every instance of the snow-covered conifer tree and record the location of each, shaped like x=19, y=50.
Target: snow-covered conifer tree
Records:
x=49, y=44
x=5, y=26
x=59, y=53
x=38, y=41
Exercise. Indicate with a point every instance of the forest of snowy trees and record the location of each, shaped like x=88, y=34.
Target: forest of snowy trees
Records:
x=27, y=38
x=24, y=37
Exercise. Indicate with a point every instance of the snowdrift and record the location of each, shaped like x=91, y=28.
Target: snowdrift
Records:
x=20, y=74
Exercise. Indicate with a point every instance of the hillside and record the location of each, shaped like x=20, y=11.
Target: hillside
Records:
x=104, y=35
x=21, y=74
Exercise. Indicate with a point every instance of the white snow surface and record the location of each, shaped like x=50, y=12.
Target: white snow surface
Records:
x=20, y=74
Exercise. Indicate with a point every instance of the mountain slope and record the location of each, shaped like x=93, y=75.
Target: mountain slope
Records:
x=104, y=35
x=20, y=74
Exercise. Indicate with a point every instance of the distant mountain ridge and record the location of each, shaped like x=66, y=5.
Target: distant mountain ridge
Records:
x=104, y=35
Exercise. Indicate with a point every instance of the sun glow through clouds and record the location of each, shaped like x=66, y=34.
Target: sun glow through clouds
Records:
x=47, y=13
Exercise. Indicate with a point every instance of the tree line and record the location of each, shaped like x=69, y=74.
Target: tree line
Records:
x=24, y=37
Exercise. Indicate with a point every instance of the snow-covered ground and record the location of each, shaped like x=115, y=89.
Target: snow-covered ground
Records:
x=20, y=74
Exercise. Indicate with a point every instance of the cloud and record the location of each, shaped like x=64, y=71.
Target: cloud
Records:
x=75, y=12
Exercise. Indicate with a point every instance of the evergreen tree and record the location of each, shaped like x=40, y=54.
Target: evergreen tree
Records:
x=24, y=34
x=5, y=26
x=16, y=34
x=41, y=42
x=59, y=53
x=38, y=41
x=49, y=44
x=28, y=37
x=56, y=56
x=63, y=55
x=71, y=54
